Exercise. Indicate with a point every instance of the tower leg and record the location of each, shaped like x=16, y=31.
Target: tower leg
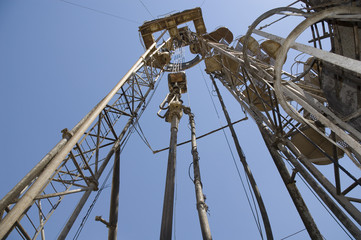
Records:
x=297, y=199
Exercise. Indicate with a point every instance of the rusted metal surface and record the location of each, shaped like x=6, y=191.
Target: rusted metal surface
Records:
x=326, y=126
x=178, y=79
x=114, y=198
x=342, y=88
x=168, y=203
x=219, y=34
x=201, y=204
x=170, y=23
x=309, y=95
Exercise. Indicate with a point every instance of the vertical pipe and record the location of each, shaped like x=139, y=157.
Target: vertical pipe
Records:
x=242, y=158
x=201, y=205
x=296, y=196
x=167, y=216
x=114, y=199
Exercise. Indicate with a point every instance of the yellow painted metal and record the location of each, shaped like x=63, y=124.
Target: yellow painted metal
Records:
x=213, y=63
x=230, y=64
x=218, y=34
x=226, y=66
x=253, y=45
x=160, y=59
x=171, y=23
x=178, y=79
x=310, y=151
x=263, y=104
x=271, y=48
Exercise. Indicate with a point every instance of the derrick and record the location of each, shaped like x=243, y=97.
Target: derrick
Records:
x=76, y=163
x=307, y=119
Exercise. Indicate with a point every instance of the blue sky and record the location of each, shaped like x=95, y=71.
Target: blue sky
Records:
x=59, y=59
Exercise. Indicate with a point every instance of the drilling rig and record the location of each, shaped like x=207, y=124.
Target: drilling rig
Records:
x=308, y=118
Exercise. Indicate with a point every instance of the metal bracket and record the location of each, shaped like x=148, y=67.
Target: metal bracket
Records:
x=100, y=219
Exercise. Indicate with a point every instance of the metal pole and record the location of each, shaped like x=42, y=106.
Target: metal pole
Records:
x=296, y=197
x=242, y=158
x=114, y=199
x=173, y=116
x=201, y=205
x=342, y=217
x=167, y=216
x=341, y=199
x=86, y=195
x=13, y=194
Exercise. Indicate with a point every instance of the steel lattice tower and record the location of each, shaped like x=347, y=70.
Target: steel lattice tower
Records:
x=307, y=119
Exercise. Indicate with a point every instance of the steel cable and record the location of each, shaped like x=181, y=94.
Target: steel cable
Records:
x=235, y=163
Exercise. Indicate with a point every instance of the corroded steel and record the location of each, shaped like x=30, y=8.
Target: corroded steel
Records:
x=64, y=176
x=171, y=23
x=324, y=117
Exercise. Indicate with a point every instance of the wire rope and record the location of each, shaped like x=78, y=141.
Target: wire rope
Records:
x=141, y=133
x=146, y=9
x=101, y=12
x=293, y=234
x=142, y=136
x=122, y=145
x=309, y=140
x=91, y=207
x=179, y=56
x=234, y=161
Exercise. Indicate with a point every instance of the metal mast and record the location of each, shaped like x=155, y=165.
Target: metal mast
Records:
x=307, y=119
x=76, y=163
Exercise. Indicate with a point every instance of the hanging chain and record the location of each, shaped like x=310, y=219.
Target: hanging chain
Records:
x=178, y=56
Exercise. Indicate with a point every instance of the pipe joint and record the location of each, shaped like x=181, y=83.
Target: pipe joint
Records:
x=66, y=133
x=175, y=108
x=201, y=205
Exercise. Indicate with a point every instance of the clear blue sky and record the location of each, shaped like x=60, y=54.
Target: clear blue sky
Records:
x=57, y=60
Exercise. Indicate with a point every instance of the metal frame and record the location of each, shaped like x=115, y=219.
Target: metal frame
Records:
x=278, y=126
x=76, y=163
